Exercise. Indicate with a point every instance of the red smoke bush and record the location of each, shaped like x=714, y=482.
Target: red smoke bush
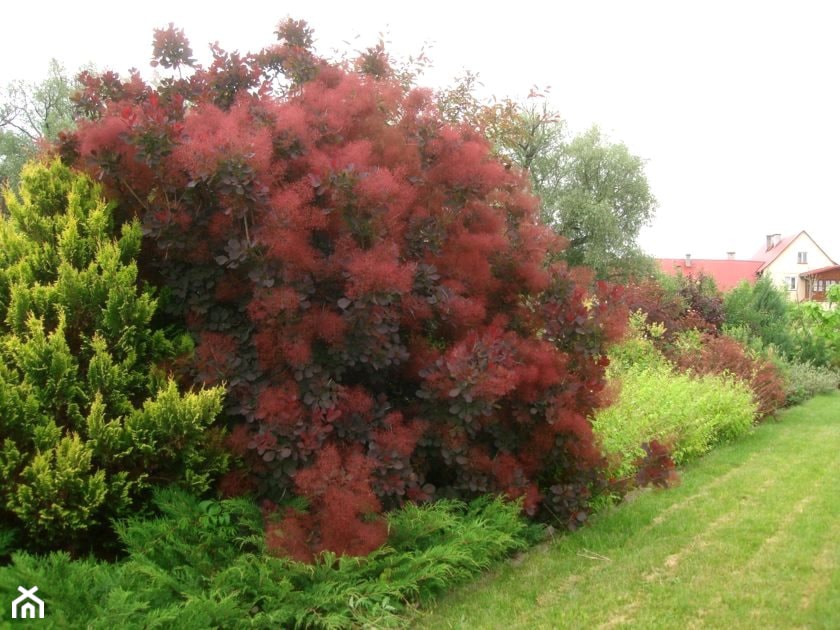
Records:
x=725, y=355
x=368, y=281
x=693, y=304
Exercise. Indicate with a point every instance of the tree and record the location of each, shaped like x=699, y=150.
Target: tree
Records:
x=592, y=191
x=815, y=333
x=833, y=296
x=31, y=113
x=367, y=280
x=15, y=151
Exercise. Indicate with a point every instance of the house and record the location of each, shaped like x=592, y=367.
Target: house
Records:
x=26, y=603
x=794, y=262
x=798, y=264
x=818, y=280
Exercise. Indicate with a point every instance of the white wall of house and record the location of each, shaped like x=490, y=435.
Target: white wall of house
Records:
x=791, y=262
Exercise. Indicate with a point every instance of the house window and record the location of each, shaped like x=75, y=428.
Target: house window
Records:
x=790, y=283
x=819, y=286
x=802, y=258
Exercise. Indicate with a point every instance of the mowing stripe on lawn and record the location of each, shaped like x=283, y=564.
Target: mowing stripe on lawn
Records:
x=750, y=539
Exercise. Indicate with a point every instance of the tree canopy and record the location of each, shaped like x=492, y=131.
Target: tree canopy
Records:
x=592, y=191
x=31, y=113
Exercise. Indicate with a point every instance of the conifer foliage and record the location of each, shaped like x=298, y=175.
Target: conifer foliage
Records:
x=366, y=280
x=88, y=425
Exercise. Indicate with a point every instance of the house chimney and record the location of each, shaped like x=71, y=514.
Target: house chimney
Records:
x=688, y=260
x=769, y=242
x=777, y=238
x=730, y=255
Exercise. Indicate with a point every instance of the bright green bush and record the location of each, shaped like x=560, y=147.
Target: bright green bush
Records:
x=204, y=564
x=88, y=423
x=638, y=349
x=815, y=333
x=689, y=413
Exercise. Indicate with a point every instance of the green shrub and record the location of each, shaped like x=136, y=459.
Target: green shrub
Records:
x=638, y=349
x=704, y=354
x=815, y=333
x=762, y=317
x=88, y=423
x=761, y=311
x=804, y=381
x=755, y=345
x=204, y=564
x=689, y=413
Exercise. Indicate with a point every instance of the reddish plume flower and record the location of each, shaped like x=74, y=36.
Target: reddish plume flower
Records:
x=369, y=281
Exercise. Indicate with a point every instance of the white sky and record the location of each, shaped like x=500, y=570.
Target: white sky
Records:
x=734, y=105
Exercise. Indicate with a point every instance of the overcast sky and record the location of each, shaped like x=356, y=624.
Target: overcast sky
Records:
x=734, y=105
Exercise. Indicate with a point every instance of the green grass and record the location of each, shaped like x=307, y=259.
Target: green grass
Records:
x=750, y=539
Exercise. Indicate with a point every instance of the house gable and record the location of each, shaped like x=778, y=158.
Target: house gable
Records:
x=770, y=255
x=792, y=258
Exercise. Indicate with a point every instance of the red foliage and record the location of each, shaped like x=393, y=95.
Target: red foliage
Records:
x=695, y=305
x=238, y=439
x=369, y=282
x=723, y=354
x=656, y=467
x=236, y=483
x=343, y=509
x=661, y=306
x=171, y=48
x=215, y=357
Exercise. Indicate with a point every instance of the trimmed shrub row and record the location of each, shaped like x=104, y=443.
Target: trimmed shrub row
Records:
x=685, y=413
x=690, y=414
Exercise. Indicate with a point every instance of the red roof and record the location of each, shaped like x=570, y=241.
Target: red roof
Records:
x=766, y=256
x=727, y=273
x=815, y=272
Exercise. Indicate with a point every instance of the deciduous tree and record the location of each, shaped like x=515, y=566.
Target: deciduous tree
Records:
x=596, y=194
x=592, y=191
x=31, y=113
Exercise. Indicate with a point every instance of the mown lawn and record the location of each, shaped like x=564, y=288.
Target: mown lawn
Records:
x=750, y=539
